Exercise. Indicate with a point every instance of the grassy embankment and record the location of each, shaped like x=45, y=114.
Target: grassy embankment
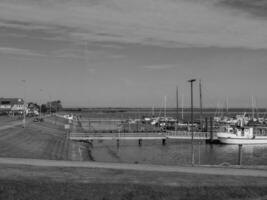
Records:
x=40, y=140
x=43, y=183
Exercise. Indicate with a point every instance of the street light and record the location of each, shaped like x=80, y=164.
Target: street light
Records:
x=41, y=90
x=49, y=104
x=24, y=102
x=191, y=81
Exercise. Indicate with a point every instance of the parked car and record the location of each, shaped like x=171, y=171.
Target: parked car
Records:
x=37, y=119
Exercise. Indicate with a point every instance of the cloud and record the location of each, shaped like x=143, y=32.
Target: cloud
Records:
x=158, y=67
x=256, y=7
x=91, y=70
x=169, y=23
x=15, y=51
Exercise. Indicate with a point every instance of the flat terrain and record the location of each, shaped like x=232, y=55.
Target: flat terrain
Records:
x=76, y=183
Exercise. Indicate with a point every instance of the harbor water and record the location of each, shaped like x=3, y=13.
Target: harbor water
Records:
x=176, y=152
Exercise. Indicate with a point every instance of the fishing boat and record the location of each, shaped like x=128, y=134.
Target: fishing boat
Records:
x=240, y=135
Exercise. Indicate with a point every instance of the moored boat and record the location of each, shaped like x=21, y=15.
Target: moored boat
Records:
x=240, y=135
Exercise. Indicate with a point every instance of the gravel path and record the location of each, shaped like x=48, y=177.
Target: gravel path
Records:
x=137, y=167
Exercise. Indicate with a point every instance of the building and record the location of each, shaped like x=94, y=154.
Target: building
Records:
x=11, y=105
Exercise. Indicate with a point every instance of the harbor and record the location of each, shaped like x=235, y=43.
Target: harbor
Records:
x=133, y=100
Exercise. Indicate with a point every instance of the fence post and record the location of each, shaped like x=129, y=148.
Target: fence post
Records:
x=206, y=125
x=140, y=142
x=211, y=129
x=239, y=154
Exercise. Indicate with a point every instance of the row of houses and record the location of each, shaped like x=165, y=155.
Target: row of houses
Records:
x=18, y=106
x=15, y=105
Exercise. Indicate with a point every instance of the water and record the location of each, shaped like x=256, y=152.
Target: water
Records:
x=176, y=152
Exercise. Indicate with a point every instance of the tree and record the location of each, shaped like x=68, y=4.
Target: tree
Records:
x=55, y=106
x=43, y=108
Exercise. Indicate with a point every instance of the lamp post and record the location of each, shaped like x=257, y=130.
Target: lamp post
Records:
x=191, y=81
x=24, y=103
x=41, y=90
x=50, y=111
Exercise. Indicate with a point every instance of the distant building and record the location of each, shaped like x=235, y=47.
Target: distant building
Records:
x=33, y=109
x=11, y=105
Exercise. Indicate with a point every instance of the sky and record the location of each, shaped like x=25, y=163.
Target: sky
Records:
x=124, y=53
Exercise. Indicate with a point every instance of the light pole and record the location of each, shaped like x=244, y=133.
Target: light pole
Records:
x=24, y=103
x=50, y=104
x=191, y=81
x=41, y=90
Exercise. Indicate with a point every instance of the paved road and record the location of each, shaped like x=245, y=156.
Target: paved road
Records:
x=138, y=167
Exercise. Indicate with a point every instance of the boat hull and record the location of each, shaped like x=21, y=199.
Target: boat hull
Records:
x=257, y=140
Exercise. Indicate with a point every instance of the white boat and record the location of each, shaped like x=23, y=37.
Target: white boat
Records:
x=240, y=135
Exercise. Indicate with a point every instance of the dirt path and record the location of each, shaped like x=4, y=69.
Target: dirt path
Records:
x=137, y=167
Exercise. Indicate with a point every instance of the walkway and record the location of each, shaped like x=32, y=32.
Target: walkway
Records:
x=137, y=167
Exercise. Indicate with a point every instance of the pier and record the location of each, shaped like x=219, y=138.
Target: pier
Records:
x=183, y=135
x=117, y=129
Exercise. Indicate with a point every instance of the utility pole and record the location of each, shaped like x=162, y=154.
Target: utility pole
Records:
x=191, y=81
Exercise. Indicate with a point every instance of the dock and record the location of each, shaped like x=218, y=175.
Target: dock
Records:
x=107, y=129
x=182, y=135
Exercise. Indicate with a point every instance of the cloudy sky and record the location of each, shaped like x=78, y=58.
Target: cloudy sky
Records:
x=133, y=53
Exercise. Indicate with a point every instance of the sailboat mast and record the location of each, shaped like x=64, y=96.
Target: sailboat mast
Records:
x=165, y=102
x=252, y=107
x=177, y=104
x=182, y=107
x=227, y=105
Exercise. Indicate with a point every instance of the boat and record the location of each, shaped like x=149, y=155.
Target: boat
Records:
x=240, y=135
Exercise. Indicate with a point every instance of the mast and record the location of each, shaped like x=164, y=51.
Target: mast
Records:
x=182, y=107
x=200, y=102
x=165, y=102
x=153, y=112
x=177, y=105
x=227, y=105
x=252, y=107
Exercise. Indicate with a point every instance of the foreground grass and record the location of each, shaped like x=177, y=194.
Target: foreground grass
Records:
x=45, y=190
x=44, y=183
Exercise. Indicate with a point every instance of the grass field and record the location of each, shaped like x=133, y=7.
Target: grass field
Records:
x=24, y=182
